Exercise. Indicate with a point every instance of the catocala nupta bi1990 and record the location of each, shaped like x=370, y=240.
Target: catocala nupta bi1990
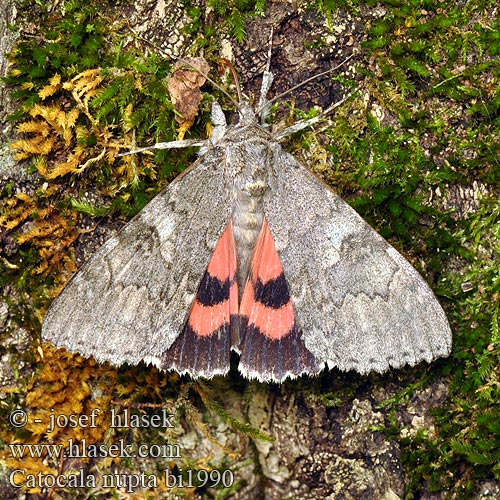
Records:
x=248, y=251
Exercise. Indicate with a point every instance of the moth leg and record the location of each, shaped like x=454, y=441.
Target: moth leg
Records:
x=218, y=119
x=311, y=121
x=267, y=81
x=185, y=143
x=220, y=125
x=265, y=105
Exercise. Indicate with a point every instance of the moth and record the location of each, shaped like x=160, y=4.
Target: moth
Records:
x=247, y=251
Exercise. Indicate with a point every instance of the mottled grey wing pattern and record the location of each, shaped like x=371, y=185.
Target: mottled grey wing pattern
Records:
x=131, y=300
x=359, y=303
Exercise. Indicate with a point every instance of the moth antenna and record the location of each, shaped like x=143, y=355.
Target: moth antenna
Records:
x=305, y=82
x=227, y=62
x=267, y=80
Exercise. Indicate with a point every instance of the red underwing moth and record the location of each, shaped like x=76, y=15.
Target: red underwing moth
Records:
x=247, y=251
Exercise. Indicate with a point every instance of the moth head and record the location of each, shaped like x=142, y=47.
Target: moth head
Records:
x=246, y=114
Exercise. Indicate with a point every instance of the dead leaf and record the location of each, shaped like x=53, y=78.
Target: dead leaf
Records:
x=184, y=89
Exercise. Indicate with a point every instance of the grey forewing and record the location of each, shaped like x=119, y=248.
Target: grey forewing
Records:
x=131, y=300
x=359, y=303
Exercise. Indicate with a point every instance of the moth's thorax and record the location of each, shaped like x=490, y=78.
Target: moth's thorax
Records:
x=249, y=152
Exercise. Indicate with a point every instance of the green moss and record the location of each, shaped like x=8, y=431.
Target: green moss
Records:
x=442, y=54
x=229, y=18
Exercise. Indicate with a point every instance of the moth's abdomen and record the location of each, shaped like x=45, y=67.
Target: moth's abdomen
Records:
x=247, y=221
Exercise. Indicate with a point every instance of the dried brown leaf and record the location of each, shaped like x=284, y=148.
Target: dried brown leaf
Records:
x=184, y=89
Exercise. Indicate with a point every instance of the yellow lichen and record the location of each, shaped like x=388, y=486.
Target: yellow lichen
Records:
x=56, y=132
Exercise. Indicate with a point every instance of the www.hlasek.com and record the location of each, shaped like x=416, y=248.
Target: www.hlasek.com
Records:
x=82, y=449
